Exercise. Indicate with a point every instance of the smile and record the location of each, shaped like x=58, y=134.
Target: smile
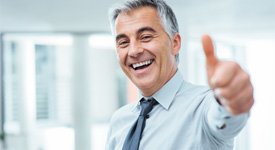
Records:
x=141, y=65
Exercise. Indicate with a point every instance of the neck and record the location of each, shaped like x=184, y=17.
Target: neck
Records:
x=150, y=92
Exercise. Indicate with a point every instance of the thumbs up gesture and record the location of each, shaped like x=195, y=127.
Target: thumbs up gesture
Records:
x=231, y=84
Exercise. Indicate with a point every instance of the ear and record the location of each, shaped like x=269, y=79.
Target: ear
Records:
x=176, y=43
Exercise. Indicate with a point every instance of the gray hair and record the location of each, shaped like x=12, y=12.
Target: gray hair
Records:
x=166, y=14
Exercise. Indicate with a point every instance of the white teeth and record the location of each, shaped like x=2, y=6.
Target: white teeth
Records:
x=142, y=63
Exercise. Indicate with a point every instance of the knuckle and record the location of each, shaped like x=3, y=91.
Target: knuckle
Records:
x=246, y=77
x=234, y=65
x=233, y=106
x=246, y=107
x=226, y=93
x=238, y=107
x=251, y=90
x=251, y=102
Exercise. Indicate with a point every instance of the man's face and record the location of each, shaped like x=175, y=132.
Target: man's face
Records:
x=145, y=51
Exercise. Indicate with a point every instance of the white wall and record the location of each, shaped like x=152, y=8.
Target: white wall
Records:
x=261, y=64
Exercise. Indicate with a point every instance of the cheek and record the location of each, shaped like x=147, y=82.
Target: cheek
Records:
x=152, y=45
x=158, y=47
x=121, y=56
x=153, y=50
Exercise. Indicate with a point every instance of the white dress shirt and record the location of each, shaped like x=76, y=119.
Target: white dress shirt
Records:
x=187, y=117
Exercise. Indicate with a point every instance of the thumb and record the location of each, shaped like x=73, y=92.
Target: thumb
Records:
x=211, y=60
x=208, y=48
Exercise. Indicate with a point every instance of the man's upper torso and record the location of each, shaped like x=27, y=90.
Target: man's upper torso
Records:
x=187, y=118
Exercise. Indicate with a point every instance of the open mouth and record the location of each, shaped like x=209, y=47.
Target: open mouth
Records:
x=141, y=65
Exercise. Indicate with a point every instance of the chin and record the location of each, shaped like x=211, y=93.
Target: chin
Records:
x=145, y=85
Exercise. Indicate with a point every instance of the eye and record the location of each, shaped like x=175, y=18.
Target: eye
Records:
x=122, y=43
x=146, y=38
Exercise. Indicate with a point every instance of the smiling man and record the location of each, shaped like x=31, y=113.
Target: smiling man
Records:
x=146, y=52
x=172, y=113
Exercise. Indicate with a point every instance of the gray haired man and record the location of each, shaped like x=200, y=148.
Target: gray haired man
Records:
x=172, y=114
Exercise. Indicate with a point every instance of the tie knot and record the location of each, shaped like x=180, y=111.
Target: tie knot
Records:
x=147, y=106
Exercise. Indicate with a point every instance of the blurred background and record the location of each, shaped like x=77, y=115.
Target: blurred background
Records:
x=61, y=82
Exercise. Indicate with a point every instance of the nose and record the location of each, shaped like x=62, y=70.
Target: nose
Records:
x=135, y=50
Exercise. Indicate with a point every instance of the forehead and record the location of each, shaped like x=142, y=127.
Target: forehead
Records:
x=133, y=20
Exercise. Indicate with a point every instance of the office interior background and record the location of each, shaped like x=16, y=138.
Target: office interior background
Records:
x=61, y=82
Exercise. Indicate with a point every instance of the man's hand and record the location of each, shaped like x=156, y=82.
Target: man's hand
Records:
x=231, y=84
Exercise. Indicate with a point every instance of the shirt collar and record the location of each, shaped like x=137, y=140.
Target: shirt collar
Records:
x=167, y=93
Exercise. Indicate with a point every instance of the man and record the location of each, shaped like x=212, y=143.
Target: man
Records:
x=172, y=113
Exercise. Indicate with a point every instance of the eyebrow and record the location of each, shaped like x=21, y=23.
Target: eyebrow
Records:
x=120, y=36
x=139, y=31
x=149, y=29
